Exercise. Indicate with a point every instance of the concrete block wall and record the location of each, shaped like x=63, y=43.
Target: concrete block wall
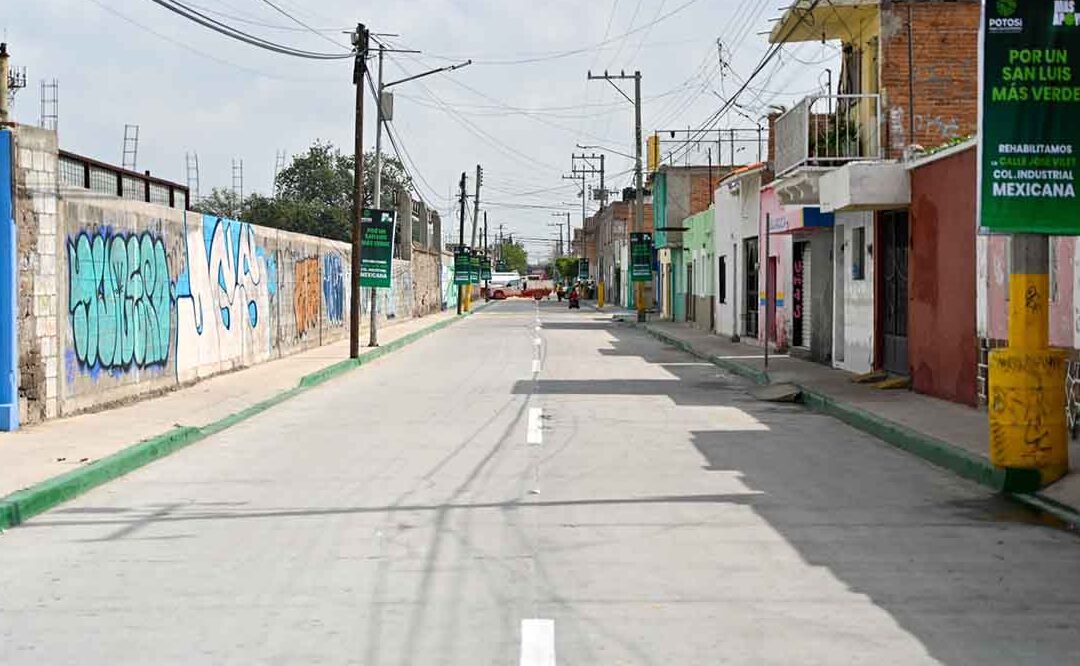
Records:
x=37, y=313
x=427, y=276
x=119, y=299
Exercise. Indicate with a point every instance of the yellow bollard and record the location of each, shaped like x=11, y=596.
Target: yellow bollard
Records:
x=1026, y=398
x=599, y=295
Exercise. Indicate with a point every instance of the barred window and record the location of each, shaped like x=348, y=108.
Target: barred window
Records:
x=102, y=181
x=71, y=173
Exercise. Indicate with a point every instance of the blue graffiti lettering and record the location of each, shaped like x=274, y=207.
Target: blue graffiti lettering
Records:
x=333, y=284
x=120, y=300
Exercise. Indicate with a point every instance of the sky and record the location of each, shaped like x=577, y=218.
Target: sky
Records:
x=520, y=110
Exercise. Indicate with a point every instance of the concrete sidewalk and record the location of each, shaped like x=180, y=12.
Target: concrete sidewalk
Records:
x=946, y=433
x=44, y=451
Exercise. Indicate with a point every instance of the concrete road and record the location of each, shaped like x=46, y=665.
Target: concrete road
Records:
x=535, y=486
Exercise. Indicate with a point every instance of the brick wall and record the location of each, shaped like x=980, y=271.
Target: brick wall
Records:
x=945, y=75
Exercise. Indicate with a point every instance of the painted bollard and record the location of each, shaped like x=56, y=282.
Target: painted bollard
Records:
x=1027, y=411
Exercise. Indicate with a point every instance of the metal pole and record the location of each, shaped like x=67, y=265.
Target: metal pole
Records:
x=639, y=212
x=359, y=67
x=373, y=337
x=767, y=224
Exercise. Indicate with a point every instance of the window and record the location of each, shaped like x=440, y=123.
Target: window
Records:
x=858, y=253
x=721, y=285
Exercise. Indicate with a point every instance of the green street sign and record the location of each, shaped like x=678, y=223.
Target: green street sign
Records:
x=485, y=268
x=641, y=244
x=376, y=252
x=1029, y=134
x=474, y=269
x=583, y=269
x=462, y=266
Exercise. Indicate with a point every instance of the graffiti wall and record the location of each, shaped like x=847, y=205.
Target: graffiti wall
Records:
x=152, y=297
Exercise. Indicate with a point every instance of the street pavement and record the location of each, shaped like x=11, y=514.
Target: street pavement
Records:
x=536, y=486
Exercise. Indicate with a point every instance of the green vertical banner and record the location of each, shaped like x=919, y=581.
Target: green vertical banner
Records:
x=485, y=268
x=641, y=246
x=1029, y=136
x=376, y=254
x=583, y=269
x=474, y=268
x=462, y=266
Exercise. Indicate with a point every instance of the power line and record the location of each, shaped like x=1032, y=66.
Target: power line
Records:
x=209, y=56
x=557, y=55
x=302, y=24
x=261, y=24
x=765, y=59
x=191, y=14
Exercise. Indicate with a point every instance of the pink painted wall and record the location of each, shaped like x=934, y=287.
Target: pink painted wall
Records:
x=1062, y=311
x=1061, y=303
x=996, y=291
x=779, y=247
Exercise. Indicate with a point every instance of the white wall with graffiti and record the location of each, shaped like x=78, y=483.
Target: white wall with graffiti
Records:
x=153, y=297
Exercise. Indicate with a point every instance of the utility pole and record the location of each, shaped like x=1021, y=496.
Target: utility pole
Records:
x=476, y=203
x=639, y=207
x=360, y=47
x=461, y=240
x=384, y=103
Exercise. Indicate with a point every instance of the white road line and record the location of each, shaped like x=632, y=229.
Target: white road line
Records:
x=536, y=365
x=537, y=643
x=534, y=434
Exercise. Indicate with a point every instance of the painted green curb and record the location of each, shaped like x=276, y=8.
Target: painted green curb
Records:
x=1062, y=512
x=22, y=505
x=955, y=459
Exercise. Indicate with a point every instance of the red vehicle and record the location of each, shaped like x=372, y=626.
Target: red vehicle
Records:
x=531, y=287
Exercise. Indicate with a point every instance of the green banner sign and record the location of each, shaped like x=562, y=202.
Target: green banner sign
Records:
x=474, y=269
x=376, y=251
x=583, y=269
x=1030, y=134
x=485, y=268
x=462, y=266
x=641, y=244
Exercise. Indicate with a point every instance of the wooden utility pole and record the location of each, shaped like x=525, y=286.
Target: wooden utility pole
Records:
x=360, y=47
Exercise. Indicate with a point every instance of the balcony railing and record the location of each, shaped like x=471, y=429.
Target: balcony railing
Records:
x=827, y=131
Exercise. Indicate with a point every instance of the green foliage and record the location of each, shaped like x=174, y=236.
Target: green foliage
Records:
x=221, y=202
x=515, y=257
x=567, y=268
x=315, y=193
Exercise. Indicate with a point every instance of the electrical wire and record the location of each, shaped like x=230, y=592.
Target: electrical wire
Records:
x=251, y=21
x=557, y=55
x=765, y=59
x=303, y=25
x=191, y=14
x=192, y=49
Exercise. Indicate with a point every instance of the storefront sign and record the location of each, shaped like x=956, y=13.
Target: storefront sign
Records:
x=1029, y=135
x=583, y=269
x=641, y=246
x=376, y=252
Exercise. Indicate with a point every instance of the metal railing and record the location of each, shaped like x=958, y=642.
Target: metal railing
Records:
x=828, y=131
x=109, y=180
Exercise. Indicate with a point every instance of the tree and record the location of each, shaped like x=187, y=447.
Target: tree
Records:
x=221, y=202
x=324, y=175
x=567, y=268
x=315, y=193
x=515, y=257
